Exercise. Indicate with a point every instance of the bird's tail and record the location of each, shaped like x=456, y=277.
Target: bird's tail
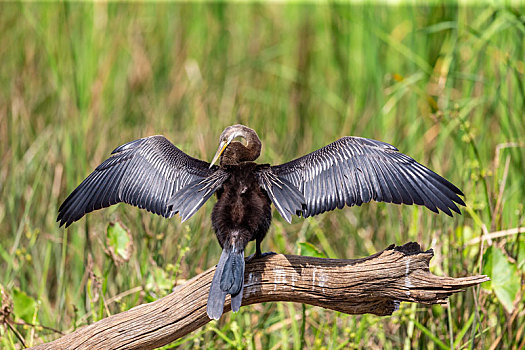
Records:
x=228, y=279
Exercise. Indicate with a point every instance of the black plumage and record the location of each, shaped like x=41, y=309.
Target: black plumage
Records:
x=146, y=173
x=153, y=174
x=355, y=170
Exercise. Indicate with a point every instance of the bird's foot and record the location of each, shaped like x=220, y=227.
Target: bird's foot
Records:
x=258, y=256
x=266, y=254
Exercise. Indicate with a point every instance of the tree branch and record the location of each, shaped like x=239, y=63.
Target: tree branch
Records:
x=375, y=284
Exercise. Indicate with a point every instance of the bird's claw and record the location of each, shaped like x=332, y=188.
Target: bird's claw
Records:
x=255, y=256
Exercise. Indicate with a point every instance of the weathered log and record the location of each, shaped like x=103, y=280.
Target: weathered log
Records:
x=375, y=284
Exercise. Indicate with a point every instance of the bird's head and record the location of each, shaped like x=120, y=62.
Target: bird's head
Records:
x=234, y=131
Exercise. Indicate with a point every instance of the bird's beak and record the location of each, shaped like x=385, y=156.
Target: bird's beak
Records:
x=222, y=147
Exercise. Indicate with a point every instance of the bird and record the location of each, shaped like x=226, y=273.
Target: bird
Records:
x=153, y=174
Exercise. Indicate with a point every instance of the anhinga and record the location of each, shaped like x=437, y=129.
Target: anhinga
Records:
x=153, y=174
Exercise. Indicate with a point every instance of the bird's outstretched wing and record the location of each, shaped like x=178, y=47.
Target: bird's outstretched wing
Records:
x=146, y=173
x=355, y=170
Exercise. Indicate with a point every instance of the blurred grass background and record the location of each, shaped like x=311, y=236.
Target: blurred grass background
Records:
x=442, y=83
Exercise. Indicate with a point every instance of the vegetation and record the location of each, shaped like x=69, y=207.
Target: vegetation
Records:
x=444, y=84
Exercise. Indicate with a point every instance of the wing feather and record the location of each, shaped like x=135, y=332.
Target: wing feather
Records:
x=288, y=200
x=390, y=183
x=381, y=191
x=355, y=170
x=145, y=173
x=402, y=186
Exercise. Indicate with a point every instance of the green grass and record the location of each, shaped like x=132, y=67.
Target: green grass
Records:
x=445, y=84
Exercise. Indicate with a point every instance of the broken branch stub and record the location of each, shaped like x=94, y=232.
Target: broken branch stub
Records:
x=375, y=284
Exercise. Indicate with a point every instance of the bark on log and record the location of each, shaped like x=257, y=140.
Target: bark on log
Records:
x=375, y=284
